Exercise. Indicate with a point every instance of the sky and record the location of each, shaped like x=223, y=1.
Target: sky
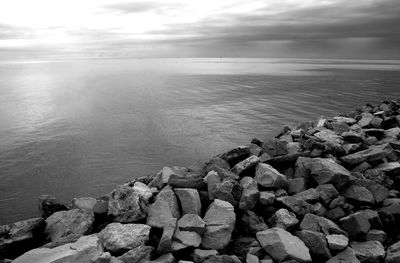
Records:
x=68, y=29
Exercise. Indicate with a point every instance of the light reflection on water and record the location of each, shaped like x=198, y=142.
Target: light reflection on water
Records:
x=79, y=128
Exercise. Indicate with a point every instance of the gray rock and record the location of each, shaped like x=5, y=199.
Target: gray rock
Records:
x=268, y=176
x=296, y=205
x=81, y=251
x=393, y=253
x=374, y=153
x=320, y=224
x=369, y=251
x=246, y=165
x=317, y=244
x=127, y=205
x=252, y=223
x=165, y=244
x=346, y=256
x=228, y=190
x=199, y=255
x=166, y=258
x=190, y=200
x=87, y=203
x=250, y=193
x=267, y=197
x=337, y=242
x=49, y=204
x=236, y=155
x=117, y=237
x=329, y=136
x=185, y=239
x=20, y=236
x=357, y=225
x=143, y=190
x=352, y=137
x=388, y=167
x=213, y=179
x=63, y=224
x=188, y=180
x=192, y=222
x=162, y=178
x=220, y=220
x=359, y=195
x=159, y=214
x=296, y=185
x=168, y=195
x=325, y=170
x=284, y=219
x=377, y=235
x=379, y=192
x=309, y=195
x=222, y=259
x=327, y=192
x=275, y=147
x=140, y=254
x=281, y=245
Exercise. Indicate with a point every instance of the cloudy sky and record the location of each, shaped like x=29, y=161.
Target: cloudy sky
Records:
x=200, y=28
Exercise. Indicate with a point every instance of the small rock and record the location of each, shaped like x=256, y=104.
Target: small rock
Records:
x=316, y=242
x=329, y=136
x=352, y=137
x=190, y=200
x=347, y=120
x=337, y=242
x=228, y=190
x=357, y=225
x=192, y=222
x=267, y=198
x=369, y=251
x=296, y=185
x=166, y=258
x=275, y=147
x=220, y=220
x=320, y=224
x=388, y=167
x=269, y=177
x=310, y=195
x=143, y=190
x=281, y=245
x=236, y=155
x=252, y=223
x=188, y=180
x=87, y=203
x=138, y=254
x=63, y=224
x=296, y=205
x=250, y=193
x=284, y=219
x=165, y=244
x=184, y=239
x=325, y=170
x=117, y=237
x=327, y=192
x=346, y=256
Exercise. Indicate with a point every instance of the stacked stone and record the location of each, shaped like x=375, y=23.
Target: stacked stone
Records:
x=318, y=192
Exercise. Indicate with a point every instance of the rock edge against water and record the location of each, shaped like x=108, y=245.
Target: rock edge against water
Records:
x=318, y=192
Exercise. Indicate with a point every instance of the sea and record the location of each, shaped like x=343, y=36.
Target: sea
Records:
x=79, y=128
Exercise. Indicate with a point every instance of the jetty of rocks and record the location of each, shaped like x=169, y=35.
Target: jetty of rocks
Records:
x=325, y=191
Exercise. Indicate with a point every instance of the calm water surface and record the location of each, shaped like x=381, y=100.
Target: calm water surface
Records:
x=79, y=128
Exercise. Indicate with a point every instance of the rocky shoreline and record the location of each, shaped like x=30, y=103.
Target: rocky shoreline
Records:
x=318, y=192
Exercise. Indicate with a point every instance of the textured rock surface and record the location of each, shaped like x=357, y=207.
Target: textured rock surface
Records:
x=190, y=200
x=268, y=176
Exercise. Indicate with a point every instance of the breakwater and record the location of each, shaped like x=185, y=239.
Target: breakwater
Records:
x=324, y=191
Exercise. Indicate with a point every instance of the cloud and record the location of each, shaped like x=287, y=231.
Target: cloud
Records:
x=142, y=6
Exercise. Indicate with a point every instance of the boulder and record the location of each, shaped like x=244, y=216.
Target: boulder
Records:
x=379, y=192
x=352, y=137
x=188, y=180
x=316, y=243
x=246, y=166
x=329, y=136
x=358, y=195
x=346, y=256
x=165, y=244
x=325, y=171
x=393, y=253
x=250, y=193
x=117, y=237
x=20, y=236
x=357, y=225
x=162, y=178
x=127, y=205
x=81, y=251
x=213, y=179
x=388, y=167
x=275, y=147
x=337, y=242
x=296, y=185
x=168, y=195
x=281, y=245
x=284, y=219
x=236, y=155
x=220, y=220
x=228, y=190
x=159, y=214
x=143, y=190
x=215, y=162
x=185, y=239
x=190, y=200
x=377, y=235
x=138, y=254
x=327, y=192
x=199, y=255
x=192, y=222
x=373, y=153
x=252, y=223
x=368, y=251
x=267, y=176
x=64, y=224
x=49, y=204
x=320, y=224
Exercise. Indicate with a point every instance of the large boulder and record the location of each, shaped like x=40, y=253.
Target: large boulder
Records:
x=369, y=251
x=393, y=253
x=117, y=237
x=20, y=236
x=81, y=251
x=267, y=176
x=168, y=195
x=281, y=245
x=220, y=220
x=250, y=193
x=190, y=200
x=373, y=153
x=127, y=205
x=71, y=223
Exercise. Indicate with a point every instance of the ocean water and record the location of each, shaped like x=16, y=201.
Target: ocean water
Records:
x=80, y=128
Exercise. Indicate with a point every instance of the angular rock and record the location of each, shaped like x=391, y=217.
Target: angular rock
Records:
x=192, y=222
x=358, y=195
x=337, y=242
x=81, y=251
x=347, y=120
x=48, y=205
x=296, y=185
x=373, y=153
x=166, y=258
x=325, y=170
x=199, y=255
x=393, y=253
x=327, y=192
x=87, y=203
x=246, y=165
x=296, y=205
x=281, y=245
x=220, y=220
x=126, y=205
x=284, y=219
x=316, y=243
x=356, y=225
x=228, y=190
x=236, y=155
x=138, y=254
x=346, y=256
x=274, y=147
x=159, y=214
x=168, y=195
x=64, y=224
x=250, y=193
x=165, y=244
x=320, y=224
x=329, y=137
x=252, y=223
x=117, y=237
x=335, y=213
x=222, y=259
x=190, y=200
x=352, y=137
x=189, y=180
x=309, y=195
x=267, y=198
x=20, y=236
x=269, y=177
x=377, y=235
x=379, y=192
x=388, y=167
x=215, y=162
x=185, y=239
x=368, y=251
x=213, y=179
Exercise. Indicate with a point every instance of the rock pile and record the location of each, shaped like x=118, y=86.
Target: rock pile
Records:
x=318, y=192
